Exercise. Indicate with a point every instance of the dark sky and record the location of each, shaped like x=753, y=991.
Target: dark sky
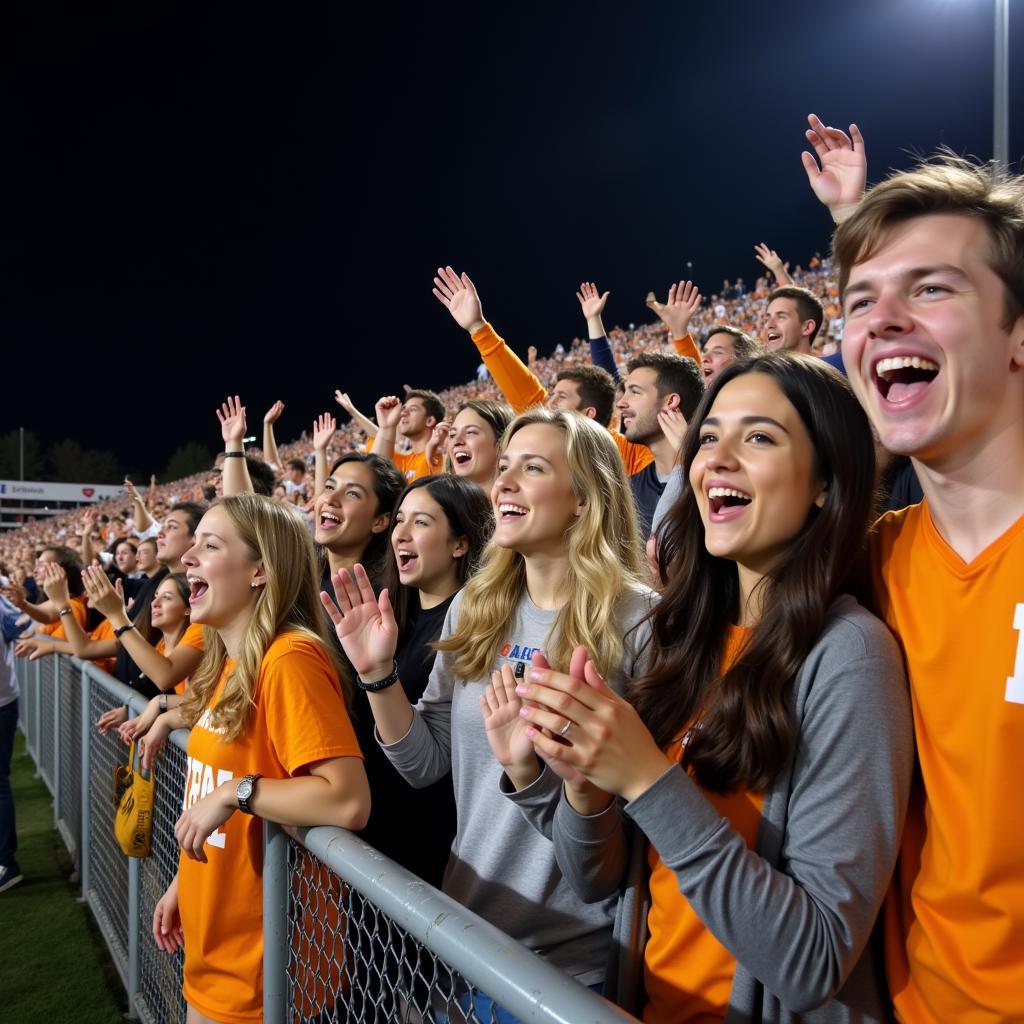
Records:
x=253, y=200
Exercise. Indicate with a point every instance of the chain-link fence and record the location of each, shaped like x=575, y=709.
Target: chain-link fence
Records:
x=349, y=936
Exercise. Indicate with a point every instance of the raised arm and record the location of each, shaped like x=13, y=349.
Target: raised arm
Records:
x=389, y=412
x=44, y=612
x=232, y=428
x=592, y=303
x=365, y=423
x=519, y=385
x=140, y=514
x=55, y=583
x=272, y=415
x=164, y=671
x=838, y=169
x=324, y=427
x=772, y=261
x=88, y=522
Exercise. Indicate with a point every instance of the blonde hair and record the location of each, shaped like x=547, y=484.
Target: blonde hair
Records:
x=603, y=548
x=946, y=184
x=289, y=601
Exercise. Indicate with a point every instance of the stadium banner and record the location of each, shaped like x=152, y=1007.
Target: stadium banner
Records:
x=14, y=490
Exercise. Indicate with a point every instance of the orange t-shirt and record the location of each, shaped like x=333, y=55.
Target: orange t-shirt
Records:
x=634, y=456
x=687, y=972
x=192, y=637
x=955, y=913
x=104, y=631
x=298, y=718
x=687, y=347
x=411, y=466
x=79, y=609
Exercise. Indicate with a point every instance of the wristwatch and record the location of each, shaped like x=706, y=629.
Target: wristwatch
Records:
x=244, y=791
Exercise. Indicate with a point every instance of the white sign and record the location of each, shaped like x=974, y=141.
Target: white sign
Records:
x=38, y=490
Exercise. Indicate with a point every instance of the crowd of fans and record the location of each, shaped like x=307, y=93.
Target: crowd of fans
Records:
x=605, y=644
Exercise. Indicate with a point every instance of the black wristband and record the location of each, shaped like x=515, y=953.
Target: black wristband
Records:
x=121, y=630
x=381, y=684
x=234, y=455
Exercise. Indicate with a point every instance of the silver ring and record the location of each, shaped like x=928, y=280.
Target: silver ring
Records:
x=565, y=728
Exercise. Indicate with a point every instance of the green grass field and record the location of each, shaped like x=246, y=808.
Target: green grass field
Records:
x=53, y=964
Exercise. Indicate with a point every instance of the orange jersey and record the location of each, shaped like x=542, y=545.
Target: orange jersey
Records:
x=79, y=609
x=192, y=637
x=634, y=456
x=955, y=914
x=411, y=466
x=688, y=973
x=104, y=631
x=687, y=348
x=298, y=718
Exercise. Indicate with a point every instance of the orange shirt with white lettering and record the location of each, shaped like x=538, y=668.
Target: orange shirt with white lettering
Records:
x=298, y=718
x=955, y=914
x=688, y=973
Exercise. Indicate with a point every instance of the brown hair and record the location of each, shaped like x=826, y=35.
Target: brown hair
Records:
x=596, y=389
x=808, y=305
x=432, y=403
x=944, y=184
x=743, y=345
x=675, y=375
x=747, y=730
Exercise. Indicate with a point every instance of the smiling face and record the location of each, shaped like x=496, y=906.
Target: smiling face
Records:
x=783, y=329
x=472, y=447
x=174, y=538
x=224, y=577
x=639, y=405
x=924, y=345
x=719, y=352
x=168, y=610
x=426, y=553
x=754, y=473
x=345, y=515
x=534, y=503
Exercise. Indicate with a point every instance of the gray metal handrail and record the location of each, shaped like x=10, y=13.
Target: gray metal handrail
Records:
x=392, y=907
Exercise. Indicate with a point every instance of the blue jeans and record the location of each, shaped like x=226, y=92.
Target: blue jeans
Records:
x=483, y=1005
x=8, y=838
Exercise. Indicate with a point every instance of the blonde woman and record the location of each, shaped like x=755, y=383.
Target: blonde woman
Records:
x=271, y=738
x=561, y=570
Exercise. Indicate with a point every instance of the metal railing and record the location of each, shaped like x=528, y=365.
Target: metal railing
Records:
x=349, y=936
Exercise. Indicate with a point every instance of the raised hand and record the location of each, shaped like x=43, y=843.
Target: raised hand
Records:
x=107, y=600
x=840, y=180
x=365, y=625
x=88, y=522
x=531, y=356
x=772, y=261
x=506, y=728
x=389, y=412
x=458, y=295
x=435, y=447
x=684, y=300
x=232, y=420
x=592, y=301
x=324, y=427
x=54, y=581
x=132, y=491
x=15, y=593
x=273, y=414
x=673, y=426
x=341, y=397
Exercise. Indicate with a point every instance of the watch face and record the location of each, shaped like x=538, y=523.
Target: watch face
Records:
x=244, y=790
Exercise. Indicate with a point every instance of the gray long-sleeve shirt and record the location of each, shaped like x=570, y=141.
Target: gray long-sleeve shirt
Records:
x=501, y=868
x=796, y=911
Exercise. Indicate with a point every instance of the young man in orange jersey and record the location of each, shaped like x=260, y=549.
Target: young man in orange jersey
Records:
x=414, y=419
x=932, y=279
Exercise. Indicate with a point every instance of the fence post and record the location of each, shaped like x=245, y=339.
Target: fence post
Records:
x=86, y=812
x=275, y=924
x=133, y=936
x=56, y=737
x=37, y=687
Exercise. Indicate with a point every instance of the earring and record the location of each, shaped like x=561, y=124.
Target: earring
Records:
x=254, y=585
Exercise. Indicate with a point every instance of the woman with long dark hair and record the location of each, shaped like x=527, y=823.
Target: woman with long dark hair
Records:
x=766, y=753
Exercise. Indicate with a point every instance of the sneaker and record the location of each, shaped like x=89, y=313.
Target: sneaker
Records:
x=9, y=877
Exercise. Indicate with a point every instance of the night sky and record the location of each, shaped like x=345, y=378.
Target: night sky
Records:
x=254, y=200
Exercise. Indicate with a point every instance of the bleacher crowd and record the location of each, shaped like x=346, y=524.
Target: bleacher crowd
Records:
x=689, y=655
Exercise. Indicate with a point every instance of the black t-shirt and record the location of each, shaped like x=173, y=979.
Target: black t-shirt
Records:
x=647, y=489
x=414, y=827
x=124, y=668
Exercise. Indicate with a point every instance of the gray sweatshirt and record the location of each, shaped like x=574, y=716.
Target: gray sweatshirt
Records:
x=501, y=868
x=798, y=910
